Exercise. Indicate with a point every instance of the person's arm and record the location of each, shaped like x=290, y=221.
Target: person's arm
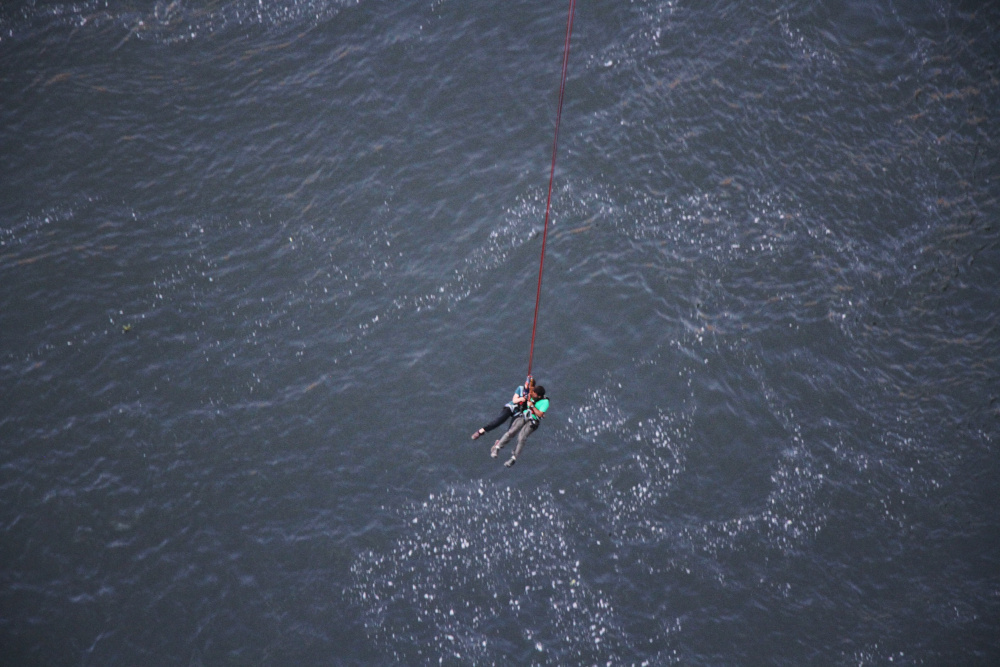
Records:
x=525, y=389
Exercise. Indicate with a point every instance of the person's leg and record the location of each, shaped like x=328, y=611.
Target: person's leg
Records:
x=511, y=432
x=526, y=430
x=522, y=436
x=505, y=414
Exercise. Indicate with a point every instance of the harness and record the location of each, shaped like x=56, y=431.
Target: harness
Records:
x=531, y=416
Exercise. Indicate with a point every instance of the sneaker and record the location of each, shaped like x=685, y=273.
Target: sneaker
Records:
x=510, y=464
x=495, y=450
x=478, y=433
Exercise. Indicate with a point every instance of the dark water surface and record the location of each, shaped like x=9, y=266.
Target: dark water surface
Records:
x=265, y=266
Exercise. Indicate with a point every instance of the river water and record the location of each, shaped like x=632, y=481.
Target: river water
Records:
x=266, y=265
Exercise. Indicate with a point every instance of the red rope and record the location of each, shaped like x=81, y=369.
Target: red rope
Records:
x=552, y=173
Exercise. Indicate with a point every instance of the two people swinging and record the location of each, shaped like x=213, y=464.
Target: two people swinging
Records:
x=524, y=411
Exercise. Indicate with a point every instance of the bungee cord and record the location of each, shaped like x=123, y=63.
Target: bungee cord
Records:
x=552, y=173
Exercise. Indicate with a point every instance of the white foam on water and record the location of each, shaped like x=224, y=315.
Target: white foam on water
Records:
x=171, y=21
x=483, y=563
x=789, y=520
x=630, y=492
x=634, y=494
x=484, y=571
x=638, y=44
x=633, y=510
x=791, y=516
x=807, y=47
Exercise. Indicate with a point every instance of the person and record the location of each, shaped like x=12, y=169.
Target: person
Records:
x=511, y=409
x=524, y=424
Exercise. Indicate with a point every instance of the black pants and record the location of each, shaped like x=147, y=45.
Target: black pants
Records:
x=505, y=414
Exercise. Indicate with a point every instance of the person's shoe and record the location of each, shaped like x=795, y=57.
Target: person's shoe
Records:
x=478, y=433
x=510, y=464
x=495, y=450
